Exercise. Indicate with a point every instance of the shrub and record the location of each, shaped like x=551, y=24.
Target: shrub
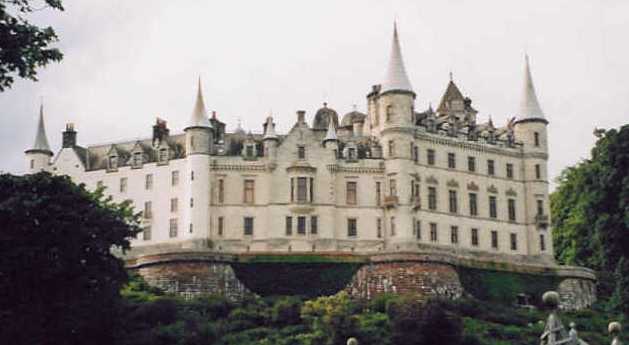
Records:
x=286, y=311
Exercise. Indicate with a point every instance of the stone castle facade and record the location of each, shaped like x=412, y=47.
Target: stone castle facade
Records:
x=392, y=179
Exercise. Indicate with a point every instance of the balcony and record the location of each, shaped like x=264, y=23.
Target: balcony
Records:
x=541, y=220
x=391, y=201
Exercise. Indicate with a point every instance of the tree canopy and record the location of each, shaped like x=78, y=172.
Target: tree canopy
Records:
x=24, y=46
x=59, y=281
x=590, y=209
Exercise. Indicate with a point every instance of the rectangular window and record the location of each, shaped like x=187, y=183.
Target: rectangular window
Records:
x=536, y=138
x=172, y=228
x=314, y=225
x=351, y=227
x=146, y=233
x=415, y=153
x=191, y=202
x=494, y=239
x=433, y=232
x=350, y=193
x=432, y=198
x=190, y=228
x=471, y=164
x=174, y=204
x=538, y=171
x=392, y=187
x=289, y=225
x=192, y=175
x=148, y=212
x=302, y=189
x=221, y=191
x=249, y=150
x=452, y=197
x=514, y=241
x=292, y=189
x=511, y=205
x=391, y=148
x=301, y=225
x=248, y=226
x=351, y=153
x=490, y=167
x=451, y=160
x=542, y=243
x=249, y=192
x=475, y=237
x=148, y=183
x=509, y=170
x=473, y=204
x=301, y=152
x=392, y=226
x=379, y=227
x=454, y=234
x=430, y=156
x=221, y=225
x=123, y=184
x=418, y=229
x=311, y=186
x=493, y=212
x=540, y=207
x=378, y=194
x=174, y=177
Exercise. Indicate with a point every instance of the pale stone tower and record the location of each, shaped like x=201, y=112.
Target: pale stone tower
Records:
x=530, y=129
x=270, y=139
x=199, y=144
x=38, y=156
x=391, y=108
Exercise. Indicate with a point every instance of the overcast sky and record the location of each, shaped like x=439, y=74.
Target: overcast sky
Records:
x=127, y=62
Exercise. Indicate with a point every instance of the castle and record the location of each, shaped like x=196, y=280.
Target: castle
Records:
x=393, y=180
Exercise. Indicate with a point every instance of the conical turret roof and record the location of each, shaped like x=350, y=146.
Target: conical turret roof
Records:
x=396, y=78
x=529, y=105
x=269, y=133
x=41, y=140
x=199, y=115
x=452, y=94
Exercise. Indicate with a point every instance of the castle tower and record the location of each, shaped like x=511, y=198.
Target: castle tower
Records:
x=38, y=156
x=530, y=129
x=199, y=144
x=391, y=117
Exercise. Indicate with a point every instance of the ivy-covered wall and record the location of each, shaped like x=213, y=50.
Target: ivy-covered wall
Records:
x=503, y=286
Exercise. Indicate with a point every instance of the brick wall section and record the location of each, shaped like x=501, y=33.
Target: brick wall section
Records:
x=406, y=278
x=576, y=294
x=190, y=279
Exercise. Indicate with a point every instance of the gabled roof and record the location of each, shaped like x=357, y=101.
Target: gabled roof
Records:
x=396, y=78
x=199, y=115
x=41, y=140
x=529, y=105
x=452, y=94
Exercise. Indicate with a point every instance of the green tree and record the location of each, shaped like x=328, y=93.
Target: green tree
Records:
x=23, y=46
x=59, y=281
x=427, y=323
x=590, y=208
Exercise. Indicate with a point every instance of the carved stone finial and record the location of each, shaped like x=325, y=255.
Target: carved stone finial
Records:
x=614, y=329
x=551, y=299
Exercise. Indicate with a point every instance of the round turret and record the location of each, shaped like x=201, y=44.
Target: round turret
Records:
x=323, y=116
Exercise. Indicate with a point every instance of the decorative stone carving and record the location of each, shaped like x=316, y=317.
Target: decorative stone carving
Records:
x=492, y=189
x=472, y=186
x=452, y=184
x=511, y=192
x=432, y=180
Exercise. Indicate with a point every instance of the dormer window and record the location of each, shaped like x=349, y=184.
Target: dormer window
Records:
x=163, y=155
x=351, y=153
x=137, y=159
x=113, y=162
x=250, y=151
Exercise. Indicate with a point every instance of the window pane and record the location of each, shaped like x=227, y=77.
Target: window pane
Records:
x=351, y=193
x=301, y=225
x=302, y=189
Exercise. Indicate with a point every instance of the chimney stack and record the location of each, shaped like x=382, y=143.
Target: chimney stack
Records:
x=301, y=116
x=69, y=136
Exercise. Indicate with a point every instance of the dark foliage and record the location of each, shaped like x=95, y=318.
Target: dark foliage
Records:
x=23, y=46
x=59, y=282
x=416, y=323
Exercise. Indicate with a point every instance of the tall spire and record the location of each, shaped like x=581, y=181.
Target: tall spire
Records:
x=41, y=141
x=396, y=78
x=199, y=115
x=529, y=105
